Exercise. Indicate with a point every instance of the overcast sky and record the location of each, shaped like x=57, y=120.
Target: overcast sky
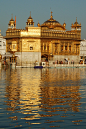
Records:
x=63, y=10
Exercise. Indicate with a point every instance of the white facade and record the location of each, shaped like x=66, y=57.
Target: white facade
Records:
x=83, y=49
x=2, y=44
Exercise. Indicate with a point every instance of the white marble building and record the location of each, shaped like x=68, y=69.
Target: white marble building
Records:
x=2, y=45
x=83, y=50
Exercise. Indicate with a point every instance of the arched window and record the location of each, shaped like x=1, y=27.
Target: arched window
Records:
x=66, y=47
x=31, y=48
x=69, y=48
x=61, y=47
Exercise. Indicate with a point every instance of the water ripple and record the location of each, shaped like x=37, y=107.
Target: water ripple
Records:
x=47, y=98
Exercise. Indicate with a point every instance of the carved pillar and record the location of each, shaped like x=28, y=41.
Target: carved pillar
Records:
x=68, y=47
x=50, y=47
x=64, y=47
x=74, y=48
x=58, y=48
x=43, y=46
x=46, y=46
x=54, y=49
x=78, y=49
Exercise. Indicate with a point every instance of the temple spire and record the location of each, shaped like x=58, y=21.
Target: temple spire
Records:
x=30, y=14
x=11, y=16
x=76, y=19
x=51, y=15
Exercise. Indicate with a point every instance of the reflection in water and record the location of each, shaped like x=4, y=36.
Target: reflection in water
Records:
x=43, y=97
x=61, y=88
x=23, y=92
x=29, y=95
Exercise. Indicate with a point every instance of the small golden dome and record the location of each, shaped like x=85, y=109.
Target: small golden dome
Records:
x=64, y=24
x=38, y=24
x=30, y=20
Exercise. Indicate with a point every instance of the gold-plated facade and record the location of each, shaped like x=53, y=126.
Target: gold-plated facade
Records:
x=19, y=40
x=57, y=41
x=51, y=39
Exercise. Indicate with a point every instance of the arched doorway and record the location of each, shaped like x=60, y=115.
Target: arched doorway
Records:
x=44, y=57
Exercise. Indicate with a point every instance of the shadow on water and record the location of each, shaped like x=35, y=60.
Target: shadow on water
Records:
x=43, y=98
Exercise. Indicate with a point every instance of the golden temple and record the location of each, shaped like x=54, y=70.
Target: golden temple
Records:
x=48, y=41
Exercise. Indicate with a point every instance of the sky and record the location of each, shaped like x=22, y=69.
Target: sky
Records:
x=63, y=10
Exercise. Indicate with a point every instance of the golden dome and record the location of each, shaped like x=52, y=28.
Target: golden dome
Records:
x=38, y=24
x=30, y=20
x=12, y=24
x=76, y=21
x=52, y=24
x=64, y=24
x=51, y=20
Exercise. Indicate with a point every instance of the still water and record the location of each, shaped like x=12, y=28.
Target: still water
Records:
x=43, y=98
